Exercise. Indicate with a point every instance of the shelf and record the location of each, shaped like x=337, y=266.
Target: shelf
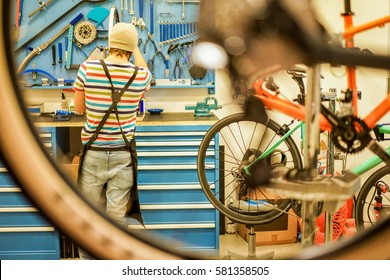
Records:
x=48, y=87
x=153, y=87
x=184, y=86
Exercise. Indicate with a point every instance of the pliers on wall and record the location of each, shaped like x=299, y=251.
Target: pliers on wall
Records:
x=177, y=71
x=151, y=64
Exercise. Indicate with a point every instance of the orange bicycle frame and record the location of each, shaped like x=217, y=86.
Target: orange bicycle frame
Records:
x=349, y=32
x=272, y=101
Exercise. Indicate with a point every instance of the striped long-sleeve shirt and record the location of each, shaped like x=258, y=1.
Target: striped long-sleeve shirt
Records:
x=92, y=80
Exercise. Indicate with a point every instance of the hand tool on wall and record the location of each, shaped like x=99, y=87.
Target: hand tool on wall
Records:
x=151, y=29
x=59, y=52
x=141, y=23
x=179, y=49
x=53, y=51
x=42, y=7
x=70, y=47
x=183, y=15
x=66, y=50
x=19, y=13
x=34, y=71
x=42, y=47
x=131, y=9
x=131, y=12
x=170, y=49
x=122, y=9
x=47, y=27
x=85, y=32
x=177, y=71
x=151, y=65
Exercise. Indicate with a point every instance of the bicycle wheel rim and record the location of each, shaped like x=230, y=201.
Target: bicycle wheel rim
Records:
x=365, y=201
x=212, y=189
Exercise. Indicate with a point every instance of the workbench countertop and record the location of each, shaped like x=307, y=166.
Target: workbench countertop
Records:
x=147, y=120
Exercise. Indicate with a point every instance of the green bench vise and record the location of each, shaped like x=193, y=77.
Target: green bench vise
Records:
x=203, y=109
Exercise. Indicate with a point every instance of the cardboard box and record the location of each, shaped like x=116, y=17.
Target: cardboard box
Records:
x=281, y=231
x=71, y=168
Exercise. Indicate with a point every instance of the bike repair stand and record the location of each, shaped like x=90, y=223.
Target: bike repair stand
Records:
x=252, y=253
x=331, y=98
x=307, y=184
x=311, y=150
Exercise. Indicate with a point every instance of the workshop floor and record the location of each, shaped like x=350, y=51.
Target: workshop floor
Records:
x=237, y=245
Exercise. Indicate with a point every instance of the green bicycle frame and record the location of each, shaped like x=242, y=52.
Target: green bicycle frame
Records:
x=359, y=170
x=375, y=160
x=273, y=147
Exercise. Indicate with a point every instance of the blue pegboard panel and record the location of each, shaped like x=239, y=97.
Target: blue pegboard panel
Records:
x=173, y=28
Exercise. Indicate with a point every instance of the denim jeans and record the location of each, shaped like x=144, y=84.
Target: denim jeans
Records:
x=111, y=167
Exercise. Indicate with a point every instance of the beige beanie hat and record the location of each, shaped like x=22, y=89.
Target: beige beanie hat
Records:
x=123, y=36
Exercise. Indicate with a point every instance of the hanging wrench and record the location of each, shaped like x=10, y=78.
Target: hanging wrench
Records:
x=122, y=9
x=141, y=22
x=131, y=10
x=183, y=15
x=151, y=28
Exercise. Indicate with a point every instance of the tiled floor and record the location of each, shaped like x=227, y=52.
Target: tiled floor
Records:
x=236, y=244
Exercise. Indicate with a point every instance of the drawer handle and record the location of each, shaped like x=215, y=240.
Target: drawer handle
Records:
x=26, y=229
x=168, y=187
x=168, y=154
x=170, y=143
x=169, y=167
x=175, y=206
x=18, y=209
x=186, y=133
x=45, y=135
x=10, y=190
x=174, y=226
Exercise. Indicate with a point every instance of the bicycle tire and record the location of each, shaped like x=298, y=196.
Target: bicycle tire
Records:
x=364, y=210
x=213, y=191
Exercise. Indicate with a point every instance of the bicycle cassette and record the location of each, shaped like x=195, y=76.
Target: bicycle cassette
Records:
x=85, y=32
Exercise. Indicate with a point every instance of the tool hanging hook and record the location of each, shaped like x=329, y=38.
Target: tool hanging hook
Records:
x=42, y=7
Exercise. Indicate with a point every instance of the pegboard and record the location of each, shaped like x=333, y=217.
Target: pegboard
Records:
x=173, y=28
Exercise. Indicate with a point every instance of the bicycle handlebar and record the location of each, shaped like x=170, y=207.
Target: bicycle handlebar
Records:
x=299, y=38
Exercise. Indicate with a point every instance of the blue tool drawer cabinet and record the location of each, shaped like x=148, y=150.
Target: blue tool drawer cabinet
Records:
x=24, y=232
x=172, y=201
x=173, y=204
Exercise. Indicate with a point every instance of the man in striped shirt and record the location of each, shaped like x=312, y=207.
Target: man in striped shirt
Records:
x=108, y=162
